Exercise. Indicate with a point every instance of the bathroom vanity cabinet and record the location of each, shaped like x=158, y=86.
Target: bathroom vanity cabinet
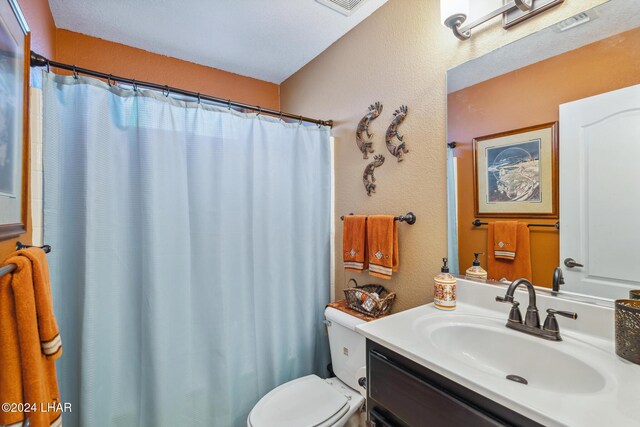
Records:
x=402, y=393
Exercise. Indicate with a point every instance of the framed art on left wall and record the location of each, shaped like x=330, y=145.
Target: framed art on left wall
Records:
x=14, y=119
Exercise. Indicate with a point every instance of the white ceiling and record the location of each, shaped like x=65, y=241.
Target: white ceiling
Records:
x=265, y=39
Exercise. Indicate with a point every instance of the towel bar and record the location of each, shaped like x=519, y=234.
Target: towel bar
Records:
x=478, y=223
x=19, y=245
x=409, y=218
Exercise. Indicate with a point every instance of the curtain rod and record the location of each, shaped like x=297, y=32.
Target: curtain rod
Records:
x=38, y=60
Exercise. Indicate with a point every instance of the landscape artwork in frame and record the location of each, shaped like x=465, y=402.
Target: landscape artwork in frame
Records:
x=516, y=173
x=14, y=84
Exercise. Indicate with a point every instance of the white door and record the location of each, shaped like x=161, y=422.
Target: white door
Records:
x=600, y=193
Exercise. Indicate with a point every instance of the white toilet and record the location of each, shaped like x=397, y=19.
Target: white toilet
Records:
x=311, y=401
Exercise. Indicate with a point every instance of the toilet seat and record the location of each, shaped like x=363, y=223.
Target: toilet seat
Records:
x=304, y=402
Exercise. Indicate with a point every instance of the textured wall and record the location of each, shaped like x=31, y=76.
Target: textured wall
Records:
x=399, y=55
x=492, y=107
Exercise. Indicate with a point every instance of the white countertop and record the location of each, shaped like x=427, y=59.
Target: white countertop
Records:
x=616, y=402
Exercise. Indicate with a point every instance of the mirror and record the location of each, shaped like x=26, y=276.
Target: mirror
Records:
x=552, y=119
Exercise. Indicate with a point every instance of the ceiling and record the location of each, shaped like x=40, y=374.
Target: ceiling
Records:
x=265, y=39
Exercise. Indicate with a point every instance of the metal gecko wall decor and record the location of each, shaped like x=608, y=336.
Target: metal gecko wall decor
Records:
x=365, y=146
x=368, y=178
x=400, y=149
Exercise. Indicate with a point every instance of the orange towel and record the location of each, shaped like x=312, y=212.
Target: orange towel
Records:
x=520, y=266
x=382, y=241
x=505, y=239
x=354, y=243
x=29, y=341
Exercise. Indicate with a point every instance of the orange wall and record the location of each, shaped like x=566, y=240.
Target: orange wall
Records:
x=527, y=97
x=102, y=55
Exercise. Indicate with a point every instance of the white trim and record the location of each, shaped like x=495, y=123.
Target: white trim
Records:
x=332, y=233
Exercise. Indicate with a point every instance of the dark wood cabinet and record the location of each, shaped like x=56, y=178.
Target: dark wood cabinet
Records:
x=402, y=393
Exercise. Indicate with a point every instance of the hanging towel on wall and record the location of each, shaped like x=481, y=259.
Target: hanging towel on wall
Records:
x=30, y=342
x=354, y=243
x=382, y=241
x=505, y=239
x=510, y=269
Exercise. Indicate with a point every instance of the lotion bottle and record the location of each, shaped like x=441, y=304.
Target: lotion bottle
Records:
x=444, y=296
x=476, y=272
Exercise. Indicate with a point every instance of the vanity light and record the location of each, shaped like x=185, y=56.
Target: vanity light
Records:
x=454, y=12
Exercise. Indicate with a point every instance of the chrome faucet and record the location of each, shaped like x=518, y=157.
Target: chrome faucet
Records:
x=531, y=325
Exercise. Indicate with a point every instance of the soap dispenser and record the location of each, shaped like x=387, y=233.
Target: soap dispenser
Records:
x=476, y=272
x=444, y=296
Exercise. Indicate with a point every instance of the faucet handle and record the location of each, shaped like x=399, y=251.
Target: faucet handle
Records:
x=569, y=314
x=514, y=314
x=551, y=324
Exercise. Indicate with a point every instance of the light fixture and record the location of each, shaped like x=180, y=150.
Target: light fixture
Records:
x=455, y=12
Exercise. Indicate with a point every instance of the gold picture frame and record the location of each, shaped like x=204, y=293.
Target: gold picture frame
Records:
x=516, y=173
x=14, y=119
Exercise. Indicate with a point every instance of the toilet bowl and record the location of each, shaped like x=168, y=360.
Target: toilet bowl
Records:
x=311, y=401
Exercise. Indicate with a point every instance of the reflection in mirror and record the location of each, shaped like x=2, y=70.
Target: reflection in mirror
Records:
x=586, y=79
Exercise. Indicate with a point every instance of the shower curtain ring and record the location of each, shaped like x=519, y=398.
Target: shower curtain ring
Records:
x=259, y=111
x=109, y=80
x=300, y=122
x=48, y=66
x=198, y=97
x=168, y=91
x=135, y=86
x=228, y=104
x=280, y=115
x=75, y=73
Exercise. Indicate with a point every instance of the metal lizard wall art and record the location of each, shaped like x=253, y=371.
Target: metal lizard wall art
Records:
x=363, y=130
x=398, y=150
x=367, y=177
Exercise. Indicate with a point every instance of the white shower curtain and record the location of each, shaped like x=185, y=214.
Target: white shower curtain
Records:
x=190, y=263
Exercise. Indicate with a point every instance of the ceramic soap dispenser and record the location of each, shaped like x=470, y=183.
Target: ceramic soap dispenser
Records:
x=444, y=296
x=476, y=272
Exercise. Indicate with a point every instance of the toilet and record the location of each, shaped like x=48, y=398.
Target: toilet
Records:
x=313, y=401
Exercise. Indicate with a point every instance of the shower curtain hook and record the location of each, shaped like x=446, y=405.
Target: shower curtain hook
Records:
x=229, y=104
x=300, y=122
x=166, y=95
x=259, y=111
x=135, y=86
x=109, y=80
x=198, y=97
x=280, y=115
x=75, y=72
x=48, y=66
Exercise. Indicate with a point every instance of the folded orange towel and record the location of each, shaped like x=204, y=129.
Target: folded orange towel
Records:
x=354, y=243
x=29, y=341
x=520, y=266
x=382, y=241
x=505, y=239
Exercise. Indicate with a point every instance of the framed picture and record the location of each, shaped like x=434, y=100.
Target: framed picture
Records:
x=516, y=173
x=14, y=113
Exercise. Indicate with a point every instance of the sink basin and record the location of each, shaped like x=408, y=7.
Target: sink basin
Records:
x=486, y=345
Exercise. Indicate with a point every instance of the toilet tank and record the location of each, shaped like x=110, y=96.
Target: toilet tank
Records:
x=348, y=348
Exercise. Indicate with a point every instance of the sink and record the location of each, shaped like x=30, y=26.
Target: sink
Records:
x=486, y=345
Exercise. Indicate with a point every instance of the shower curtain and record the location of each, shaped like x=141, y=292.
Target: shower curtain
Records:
x=190, y=263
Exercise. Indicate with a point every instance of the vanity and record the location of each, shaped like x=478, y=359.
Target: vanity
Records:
x=428, y=367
